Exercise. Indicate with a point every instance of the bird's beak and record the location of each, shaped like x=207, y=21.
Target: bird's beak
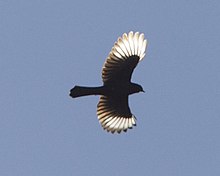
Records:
x=143, y=91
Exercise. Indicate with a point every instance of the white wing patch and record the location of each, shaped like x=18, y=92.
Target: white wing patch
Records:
x=117, y=124
x=129, y=45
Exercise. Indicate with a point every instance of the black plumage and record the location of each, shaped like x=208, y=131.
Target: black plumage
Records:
x=113, y=109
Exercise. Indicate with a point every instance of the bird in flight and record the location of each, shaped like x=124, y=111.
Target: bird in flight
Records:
x=113, y=109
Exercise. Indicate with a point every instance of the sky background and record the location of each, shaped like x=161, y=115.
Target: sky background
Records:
x=47, y=47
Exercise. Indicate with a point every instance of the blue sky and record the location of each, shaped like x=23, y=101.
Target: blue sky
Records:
x=47, y=47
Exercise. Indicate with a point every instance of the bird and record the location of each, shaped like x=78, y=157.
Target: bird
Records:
x=113, y=109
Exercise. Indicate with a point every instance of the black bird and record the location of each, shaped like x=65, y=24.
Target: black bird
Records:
x=113, y=110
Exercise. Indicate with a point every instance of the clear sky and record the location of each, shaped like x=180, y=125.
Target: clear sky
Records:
x=47, y=47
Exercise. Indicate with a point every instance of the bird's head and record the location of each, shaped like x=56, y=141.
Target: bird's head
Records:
x=135, y=88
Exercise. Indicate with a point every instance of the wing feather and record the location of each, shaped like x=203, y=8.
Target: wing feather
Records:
x=123, y=58
x=114, y=114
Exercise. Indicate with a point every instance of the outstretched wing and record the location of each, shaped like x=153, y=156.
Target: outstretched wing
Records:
x=123, y=58
x=114, y=114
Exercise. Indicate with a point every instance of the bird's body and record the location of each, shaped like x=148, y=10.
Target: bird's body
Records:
x=113, y=110
x=109, y=90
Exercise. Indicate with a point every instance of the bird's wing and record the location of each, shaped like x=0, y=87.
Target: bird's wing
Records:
x=123, y=58
x=114, y=114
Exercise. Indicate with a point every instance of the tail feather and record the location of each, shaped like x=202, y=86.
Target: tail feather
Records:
x=79, y=91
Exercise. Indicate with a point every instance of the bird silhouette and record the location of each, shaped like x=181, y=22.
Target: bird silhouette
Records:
x=113, y=109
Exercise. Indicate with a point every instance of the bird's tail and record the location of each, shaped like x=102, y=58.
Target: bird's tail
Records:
x=79, y=91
